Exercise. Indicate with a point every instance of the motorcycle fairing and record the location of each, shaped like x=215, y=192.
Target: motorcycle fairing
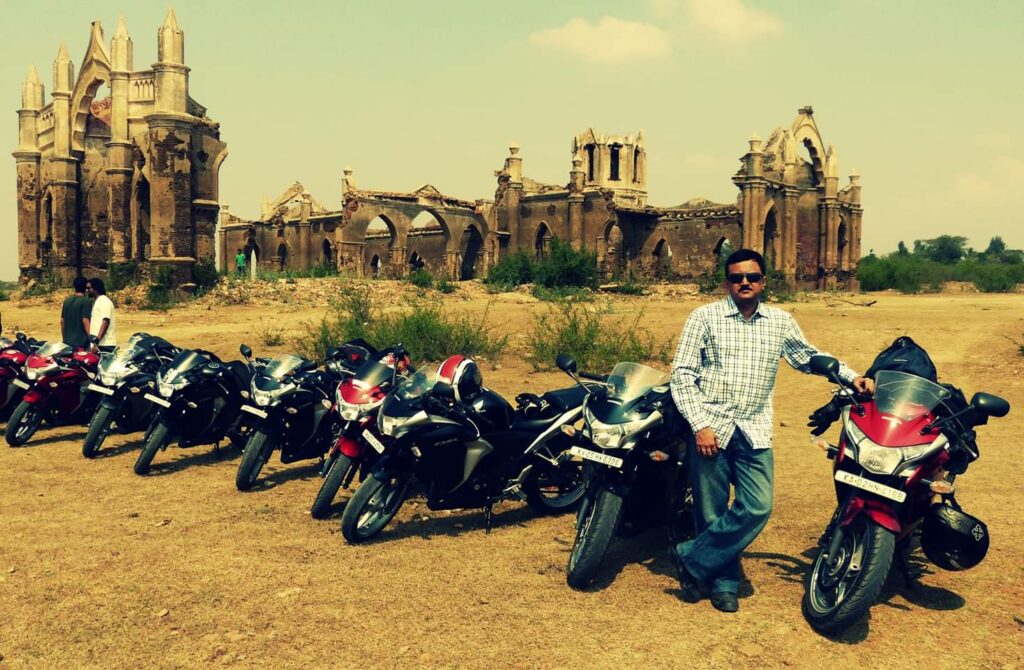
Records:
x=881, y=513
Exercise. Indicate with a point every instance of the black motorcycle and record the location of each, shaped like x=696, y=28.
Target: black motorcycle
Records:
x=291, y=403
x=200, y=400
x=468, y=450
x=632, y=438
x=123, y=377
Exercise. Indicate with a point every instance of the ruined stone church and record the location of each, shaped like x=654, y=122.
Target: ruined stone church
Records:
x=119, y=165
x=133, y=177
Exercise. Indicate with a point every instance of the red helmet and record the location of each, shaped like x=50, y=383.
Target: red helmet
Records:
x=462, y=375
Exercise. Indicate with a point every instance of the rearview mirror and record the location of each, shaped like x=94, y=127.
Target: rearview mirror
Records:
x=566, y=363
x=331, y=352
x=990, y=405
x=92, y=339
x=246, y=351
x=20, y=336
x=308, y=365
x=823, y=365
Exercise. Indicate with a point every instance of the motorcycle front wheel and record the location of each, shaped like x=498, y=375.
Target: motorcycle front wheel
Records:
x=839, y=591
x=24, y=423
x=373, y=506
x=98, y=429
x=596, y=525
x=340, y=464
x=256, y=454
x=156, y=441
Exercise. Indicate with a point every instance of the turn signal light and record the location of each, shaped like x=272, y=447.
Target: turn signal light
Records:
x=942, y=487
x=658, y=456
x=569, y=430
x=821, y=443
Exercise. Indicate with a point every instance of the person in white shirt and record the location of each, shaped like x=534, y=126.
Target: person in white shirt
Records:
x=102, y=324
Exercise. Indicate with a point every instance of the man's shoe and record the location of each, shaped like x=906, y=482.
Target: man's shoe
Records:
x=689, y=586
x=725, y=602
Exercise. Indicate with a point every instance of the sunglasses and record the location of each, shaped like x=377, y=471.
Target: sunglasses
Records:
x=751, y=277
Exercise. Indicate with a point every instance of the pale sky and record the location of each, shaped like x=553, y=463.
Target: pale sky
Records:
x=922, y=98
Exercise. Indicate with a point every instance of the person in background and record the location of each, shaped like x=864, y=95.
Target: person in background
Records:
x=240, y=262
x=102, y=324
x=74, y=316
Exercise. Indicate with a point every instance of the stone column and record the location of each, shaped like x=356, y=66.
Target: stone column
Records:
x=753, y=188
x=27, y=158
x=305, y=209
x=119, y=150
x=789, y=234
x=63, y=173
x=171, y=227
x=576, y=182
x=223, y=253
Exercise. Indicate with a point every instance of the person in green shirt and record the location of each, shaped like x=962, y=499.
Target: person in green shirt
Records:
x=240, y=262
x=74, y=316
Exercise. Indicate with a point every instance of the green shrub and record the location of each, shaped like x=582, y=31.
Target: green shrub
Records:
x=776, y=288
x=597, y=338
x=513, y=270
x=444, y=285
x=566, y=266
x=631, y=284
x=205, y=275
x=45, y=285
x=905, y=273
x=269, y=334
x=122, y=275
x=160, y=294
x=421, y=278
x=996, y=278
x=559, y=293
x=709, y=282
x=426, y=330
x=3, y=296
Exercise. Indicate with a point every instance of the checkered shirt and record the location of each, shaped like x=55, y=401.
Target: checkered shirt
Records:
x=725, y=366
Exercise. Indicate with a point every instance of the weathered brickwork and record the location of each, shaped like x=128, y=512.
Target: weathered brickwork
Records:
x=132, y=176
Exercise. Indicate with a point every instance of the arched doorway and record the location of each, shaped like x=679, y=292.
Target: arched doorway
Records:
x=379, y=241
x=140, y=220
x=415, y=262
x=614, y=249
x=375, y=266
x=662, y=259
x=843, y=242
x=542, y=242
x=771, y=242
x=327, y=254
x=282, y=256
x=470, y=249
x=723, y=249
x=252, y=253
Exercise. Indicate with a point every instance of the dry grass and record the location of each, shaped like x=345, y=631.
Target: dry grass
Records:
x=103, y=569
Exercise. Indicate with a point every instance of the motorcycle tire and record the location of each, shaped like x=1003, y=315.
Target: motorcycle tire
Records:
x=832, y=612
x=98, y=429
x=340, y=464
x=157, y=440
x=373, y=506
x=23, y=424
x=570, y=483
x=257, y=452
x=597, y=524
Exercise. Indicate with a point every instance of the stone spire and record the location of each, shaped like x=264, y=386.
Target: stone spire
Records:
x=63, y=71
x=171, y=40
x=32, y=90
x=121, y=48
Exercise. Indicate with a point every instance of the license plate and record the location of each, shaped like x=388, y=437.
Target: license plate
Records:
x=20, y=384
x=255, y=412
x=100, y=389
x=159, y=401
x=377, y=445
x=868, y=485
x=596, y=456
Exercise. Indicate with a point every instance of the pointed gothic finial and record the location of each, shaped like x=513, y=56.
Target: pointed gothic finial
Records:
x=32, y=76
x=32, y=90
x=122, y=29
x=121, y=48
x=171, y=40
x=63, y=70
x=171, y=21
x=96, y=48
x=62, y=52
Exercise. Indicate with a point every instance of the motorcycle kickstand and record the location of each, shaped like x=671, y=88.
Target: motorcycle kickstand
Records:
x=488, y=513
x=908, y=578
x=216, y=450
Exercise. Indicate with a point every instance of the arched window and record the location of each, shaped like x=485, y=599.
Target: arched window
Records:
x=614, y=164
x=542, y=243
x=282, y=255
x=590, y=162
x=327, y=253
x=636, y=166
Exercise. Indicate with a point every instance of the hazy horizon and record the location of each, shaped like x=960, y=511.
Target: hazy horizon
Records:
x=917, y=97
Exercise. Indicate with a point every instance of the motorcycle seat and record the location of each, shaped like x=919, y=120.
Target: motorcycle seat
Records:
x=240, y=371
x=533, y=425
x=563, y=400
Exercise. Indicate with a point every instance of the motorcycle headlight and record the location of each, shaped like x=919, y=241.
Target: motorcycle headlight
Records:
x=264, y=398
x=883, y=460
x=391, y=425
x=167, y=389
x=610, y=435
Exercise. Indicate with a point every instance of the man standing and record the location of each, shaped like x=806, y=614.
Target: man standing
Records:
x=74, y=316
x=723, y=376
x=102, y=323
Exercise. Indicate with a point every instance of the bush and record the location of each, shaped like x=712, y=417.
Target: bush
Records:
x=597, y=338
x=122, y=275
x=560, y=293
x=421, y=278
x=632, y=284
x=3, y=296
x=45, y=285
x=205, y=275
x=425, y=329
x=992, y=278
x=567, y=267
x=269, y=334
x=511, y=271
x=906, y=273
x=709, y=282
x=444, y=285
x=776, y=288
x=160, y=294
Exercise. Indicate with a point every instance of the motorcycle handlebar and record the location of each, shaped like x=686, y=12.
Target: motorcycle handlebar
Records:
x=592, y=377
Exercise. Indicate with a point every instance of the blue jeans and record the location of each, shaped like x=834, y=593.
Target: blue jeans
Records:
x=723, y=532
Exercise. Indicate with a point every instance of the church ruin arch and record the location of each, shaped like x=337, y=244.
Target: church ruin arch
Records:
x=327, y=253
x=471, y=247
x=542, y=242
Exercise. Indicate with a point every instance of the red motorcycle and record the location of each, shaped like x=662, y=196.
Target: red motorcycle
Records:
x=357, y=400
x=13, y=354
x=898, y=456
x=59, y=379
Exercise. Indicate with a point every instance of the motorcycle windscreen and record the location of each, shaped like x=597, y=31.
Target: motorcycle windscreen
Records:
x=51, y=349
x=374, y=373
x=905, y=396
x=282, y=366
x=627, y=383
x=182, y=363
x=117, y=363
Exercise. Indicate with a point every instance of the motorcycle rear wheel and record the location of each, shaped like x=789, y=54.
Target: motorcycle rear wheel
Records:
x=373, y=506
x=838, y=593
x=340, y=464
x=23, y=424
x=551, y=490
x=258, y=450
x=157, y=440
x=98, y=429
x=597, y=524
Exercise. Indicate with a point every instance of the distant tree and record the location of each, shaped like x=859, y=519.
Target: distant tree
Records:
x=946, y=249
x=901, y=248
x=996, y=245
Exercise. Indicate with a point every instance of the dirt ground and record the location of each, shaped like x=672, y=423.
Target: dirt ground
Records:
x=100, y=568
